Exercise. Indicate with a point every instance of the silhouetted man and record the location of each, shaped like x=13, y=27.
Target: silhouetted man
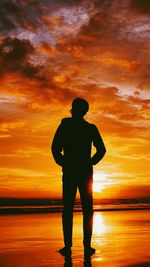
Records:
x=71, y=149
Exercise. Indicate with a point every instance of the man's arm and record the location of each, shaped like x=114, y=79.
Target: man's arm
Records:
x=57, y=146
x=99, y=145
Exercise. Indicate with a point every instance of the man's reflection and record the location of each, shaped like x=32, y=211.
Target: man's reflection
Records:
x=86, y=263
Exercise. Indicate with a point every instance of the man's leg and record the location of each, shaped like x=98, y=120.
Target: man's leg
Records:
x=69, y=194
x=86, y=196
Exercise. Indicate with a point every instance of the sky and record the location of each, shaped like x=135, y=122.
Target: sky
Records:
x=54, y=51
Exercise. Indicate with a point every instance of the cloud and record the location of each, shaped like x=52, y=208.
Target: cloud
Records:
x=122, y=115
x=44, y=21
x=10, y=13
x=14, y=56
x=109, y=41
x=19, y=14
x=96, y=44
x=141, y=6
x=139, y=264
x=13, y=49
x=47, y=49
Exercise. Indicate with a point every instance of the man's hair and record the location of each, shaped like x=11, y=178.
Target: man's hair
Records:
x=80, y=105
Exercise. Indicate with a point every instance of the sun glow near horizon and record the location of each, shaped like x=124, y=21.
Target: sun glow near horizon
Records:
x=99, y=182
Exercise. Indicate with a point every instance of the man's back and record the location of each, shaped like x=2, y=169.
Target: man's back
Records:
x=74, y=138
x=77, y=140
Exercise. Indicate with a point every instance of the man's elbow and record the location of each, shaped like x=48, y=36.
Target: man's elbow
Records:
x=103, y=152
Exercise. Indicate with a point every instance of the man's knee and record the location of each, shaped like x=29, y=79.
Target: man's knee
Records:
x=88, y=211
x=67, y=210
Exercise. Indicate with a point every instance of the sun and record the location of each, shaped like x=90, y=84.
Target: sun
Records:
x=97, y=187
x=99, y=182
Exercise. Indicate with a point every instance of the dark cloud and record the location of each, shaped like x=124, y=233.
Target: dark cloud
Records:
x=14, y=14
x=10, y=14
x=15, y=50
x=142, y=6
x=70, y=2
x=14, y=57
x=28, y=14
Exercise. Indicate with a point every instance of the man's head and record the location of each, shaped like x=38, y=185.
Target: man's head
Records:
x=79, y=107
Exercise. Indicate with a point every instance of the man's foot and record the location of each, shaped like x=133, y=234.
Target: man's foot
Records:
x=66, y=252
x=89, y=251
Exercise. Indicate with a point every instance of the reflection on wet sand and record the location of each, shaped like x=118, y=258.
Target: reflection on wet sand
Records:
x=86, y=263
x=121, y=239
x=99, y=226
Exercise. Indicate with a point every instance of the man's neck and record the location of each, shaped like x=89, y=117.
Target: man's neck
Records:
x=78, y=119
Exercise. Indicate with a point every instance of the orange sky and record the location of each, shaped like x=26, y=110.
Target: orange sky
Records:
x=54, y=51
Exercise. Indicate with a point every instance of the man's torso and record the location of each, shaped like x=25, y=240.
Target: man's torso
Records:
x=77, y=141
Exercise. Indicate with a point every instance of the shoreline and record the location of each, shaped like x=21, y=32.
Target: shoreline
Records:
x=15, y=211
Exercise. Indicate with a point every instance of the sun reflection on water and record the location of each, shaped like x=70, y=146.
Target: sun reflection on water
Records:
x=99, y=226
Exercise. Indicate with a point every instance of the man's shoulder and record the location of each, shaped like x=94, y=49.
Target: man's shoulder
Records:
x=66, y=121
x=91, y=125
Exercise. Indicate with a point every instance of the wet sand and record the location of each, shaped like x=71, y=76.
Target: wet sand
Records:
x=121, y=239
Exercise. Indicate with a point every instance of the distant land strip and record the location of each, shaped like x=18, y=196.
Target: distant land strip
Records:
x=30, y=210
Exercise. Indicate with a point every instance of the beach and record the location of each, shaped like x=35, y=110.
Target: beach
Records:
x=121, y=239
